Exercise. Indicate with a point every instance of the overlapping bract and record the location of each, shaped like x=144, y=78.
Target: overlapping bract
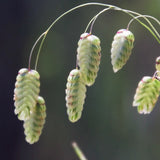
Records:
x=29, y=106
x=75, y=95
x=88, y=57
x=121, y=48
x=26, y=92
x=147, y=94
x=88, y=60
x=34, y=125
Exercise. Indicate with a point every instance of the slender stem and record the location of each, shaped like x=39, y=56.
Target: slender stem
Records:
x=39, y=50
x=95, y=17
x=140, y=16
x=131, y=13
x=89, y=23
x=65, y=13
x=78, y=151
x=30, y=56
x=79, y=6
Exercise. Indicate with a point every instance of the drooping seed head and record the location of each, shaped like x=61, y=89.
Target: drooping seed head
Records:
x=34, y=125
x=121, y=48
x=146, y=95
x=75, y=95
x=88, y=57
x=26, y=92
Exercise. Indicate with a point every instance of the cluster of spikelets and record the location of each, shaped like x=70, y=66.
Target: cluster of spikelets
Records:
x=29, y=106
x=148, y=91
x=31, y=109
x=88, y=60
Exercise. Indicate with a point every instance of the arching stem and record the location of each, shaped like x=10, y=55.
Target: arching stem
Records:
x=39, y=50
x=131, y=13
x=128, y=12
x=140, y=16
x=148, y=28
x=53, y=23
x=30, y=56
x=92, y=21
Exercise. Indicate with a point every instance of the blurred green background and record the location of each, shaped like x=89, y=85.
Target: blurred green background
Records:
x=110, y=128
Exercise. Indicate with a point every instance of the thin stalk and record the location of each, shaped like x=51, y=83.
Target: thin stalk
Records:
x=78, y=151
x=89, y=24
x=94, y=19
x=140, y=16
x=30, y=56
x=39, y=50
x=131, y=13
x=106, y=9
x=53, y=23
x=144, y=25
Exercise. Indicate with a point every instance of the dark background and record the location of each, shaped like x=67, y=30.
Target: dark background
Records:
x=110, y=128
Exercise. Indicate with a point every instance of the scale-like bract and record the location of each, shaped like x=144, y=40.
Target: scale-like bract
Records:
x=88, y=57
x=26, y=92
x=147, y=94
x=34, y=125
x=75, y=95
x=121, y=48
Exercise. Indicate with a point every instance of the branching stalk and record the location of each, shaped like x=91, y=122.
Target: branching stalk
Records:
x=131, y=14
x=39, y=50
x=140, y=16
x=128, y=12
x=92, y=21
x=53, y=23
x=30, y=56
x=152, y=30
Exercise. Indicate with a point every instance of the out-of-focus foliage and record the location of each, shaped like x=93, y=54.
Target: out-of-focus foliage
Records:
x=110, y=128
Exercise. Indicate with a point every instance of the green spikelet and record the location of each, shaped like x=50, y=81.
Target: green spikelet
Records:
x=158, y=64
x=121, y=48
x=75, y=95
x=88, y=57
x=34, y=125
x=26, y=92
x=147, y=94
